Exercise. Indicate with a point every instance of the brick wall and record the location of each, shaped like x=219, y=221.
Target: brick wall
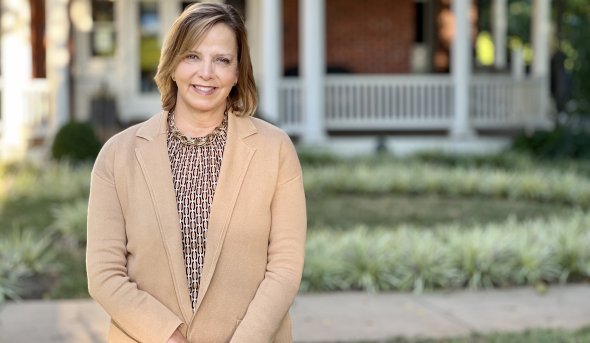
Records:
x=371, y=36
x=290, y=34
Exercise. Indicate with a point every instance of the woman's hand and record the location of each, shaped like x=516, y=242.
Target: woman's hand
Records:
x=177, y=337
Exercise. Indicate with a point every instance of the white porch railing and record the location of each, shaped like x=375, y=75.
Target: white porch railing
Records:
x=503, y=102
x=414, y=102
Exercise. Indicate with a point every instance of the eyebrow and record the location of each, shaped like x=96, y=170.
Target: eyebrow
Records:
x=228, y=54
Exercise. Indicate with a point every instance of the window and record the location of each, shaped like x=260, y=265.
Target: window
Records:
x=149, y=45
x=103, y=35
x=419, y=22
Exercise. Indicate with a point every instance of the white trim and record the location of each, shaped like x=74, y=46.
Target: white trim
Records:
x=541, y=26
x=500, y=30
x=461, y=69
x=313, y=68
x=16, y=71
x=58, y=58
x=272, y=59
x=414, y=103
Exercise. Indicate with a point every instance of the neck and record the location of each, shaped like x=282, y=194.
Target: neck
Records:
x=197, y=124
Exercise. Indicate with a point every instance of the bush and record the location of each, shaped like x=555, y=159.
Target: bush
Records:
x=11, y=272
x=562, y=142
x=70, y=222
x=317, y=158
x=76, y=142
x=506, y=254
x=27, y=264
x=412, y=177
x=56, y=181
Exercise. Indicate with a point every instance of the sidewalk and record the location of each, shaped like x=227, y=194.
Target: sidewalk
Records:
x=341, y=317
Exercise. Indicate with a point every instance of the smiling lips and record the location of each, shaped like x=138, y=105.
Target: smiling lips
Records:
x=204, y=90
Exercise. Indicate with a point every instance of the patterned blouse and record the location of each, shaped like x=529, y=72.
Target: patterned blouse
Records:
x=195, y=169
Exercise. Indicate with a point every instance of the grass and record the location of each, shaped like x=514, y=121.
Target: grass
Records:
x=528, y=336
x=27, y=212
x=414, y=177
x=72, y=284
x=510, y=253
x=345, y=211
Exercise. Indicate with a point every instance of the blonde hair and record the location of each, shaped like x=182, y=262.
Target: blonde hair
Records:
x=186, y=32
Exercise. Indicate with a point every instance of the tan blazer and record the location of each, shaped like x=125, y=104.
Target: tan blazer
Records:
x=255, y=240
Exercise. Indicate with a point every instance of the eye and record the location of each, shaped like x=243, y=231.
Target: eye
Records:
x=192, y=57
x=223, y=60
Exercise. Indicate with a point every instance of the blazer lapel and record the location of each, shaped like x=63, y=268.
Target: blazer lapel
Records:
x=155, y=164
x=236, y=159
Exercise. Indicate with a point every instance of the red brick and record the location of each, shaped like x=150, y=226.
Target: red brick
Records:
x=371, y=36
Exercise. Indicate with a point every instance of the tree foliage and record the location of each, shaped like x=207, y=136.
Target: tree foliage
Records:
x=569, y=43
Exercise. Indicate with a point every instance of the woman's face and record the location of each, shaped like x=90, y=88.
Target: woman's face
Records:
x=207, y=73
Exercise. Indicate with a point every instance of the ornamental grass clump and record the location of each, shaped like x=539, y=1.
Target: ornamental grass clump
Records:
x=27, y=264
x=481, y=256
x=572, y=252
x=535, y=260
x=510, y=253
x=70, y=222
x=29, y=250
x=424, y=262
x=56, y=181
x=496, y=183
x=11, y=272
x=411, y=177
x=323, y=267
x=369, y=259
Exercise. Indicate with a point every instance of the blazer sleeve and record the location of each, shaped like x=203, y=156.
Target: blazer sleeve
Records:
x=134, y=311
x=286, y=249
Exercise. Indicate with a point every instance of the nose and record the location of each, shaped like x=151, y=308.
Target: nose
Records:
x=206, y=69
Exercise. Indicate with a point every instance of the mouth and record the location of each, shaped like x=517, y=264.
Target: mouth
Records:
x=204, y=90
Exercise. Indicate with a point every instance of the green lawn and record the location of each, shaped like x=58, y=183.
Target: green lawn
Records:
x=344, y=211
x=27, y=213
x=530, y=336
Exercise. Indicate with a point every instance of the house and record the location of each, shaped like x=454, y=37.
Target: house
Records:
x=345, y=75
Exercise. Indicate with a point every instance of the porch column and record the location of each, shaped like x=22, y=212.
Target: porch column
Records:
x=58, y=59
x=461, y=69
x=272, y=59
x=312, y=66
x=541, y=24
x=500, y=31
x=16, y=73
x=540, y=37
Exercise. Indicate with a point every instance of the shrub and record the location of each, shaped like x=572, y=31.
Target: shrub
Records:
x=495, y=255
x=410, y=177
x=75, y=142
x=559, y=143
x=30, y=250
x=424, y=263
x=27, y=262
x=317, y=158
x=322, y=272
x=70, y=222
x=11, y=272
x=56, y=181
x=368, y=259
x=504, y=161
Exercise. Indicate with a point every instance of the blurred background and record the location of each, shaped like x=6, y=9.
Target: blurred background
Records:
x=445, y=144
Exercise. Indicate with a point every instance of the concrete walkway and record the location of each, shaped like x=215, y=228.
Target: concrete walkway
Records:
x=341, y=317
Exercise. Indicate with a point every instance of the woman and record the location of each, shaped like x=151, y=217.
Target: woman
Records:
x=196, y=220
